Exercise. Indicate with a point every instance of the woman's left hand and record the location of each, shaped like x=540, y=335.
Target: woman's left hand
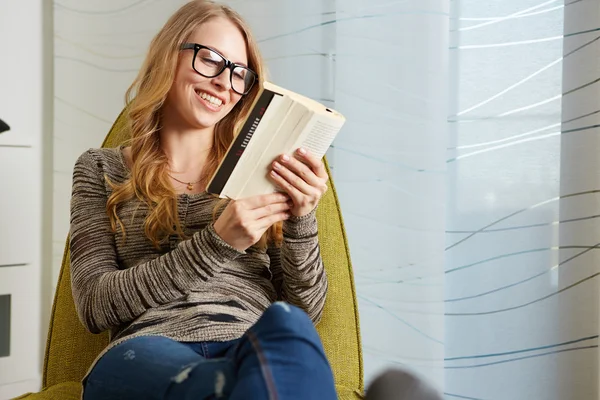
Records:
x=303, y=177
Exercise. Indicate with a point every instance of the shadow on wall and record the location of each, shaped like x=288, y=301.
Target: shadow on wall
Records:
x=3, y=126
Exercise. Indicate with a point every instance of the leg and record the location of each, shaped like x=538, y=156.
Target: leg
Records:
x=154, y=367
x=281, y=357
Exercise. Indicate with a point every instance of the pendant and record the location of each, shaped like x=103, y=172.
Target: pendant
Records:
x=190, y=186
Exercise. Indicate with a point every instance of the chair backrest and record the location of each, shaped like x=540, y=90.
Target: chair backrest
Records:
x=70, y=349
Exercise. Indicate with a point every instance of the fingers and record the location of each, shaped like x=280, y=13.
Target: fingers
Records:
x=255, y=202
x=303, y=181
x=285, y=177
x=291, y=173
x=271, y=219
x=315, y=164
x=270, y=209
x=299, y=168
x=243, y=222
x=289, y=187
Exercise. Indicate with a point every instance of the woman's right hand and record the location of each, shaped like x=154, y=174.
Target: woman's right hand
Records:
x=244, y=221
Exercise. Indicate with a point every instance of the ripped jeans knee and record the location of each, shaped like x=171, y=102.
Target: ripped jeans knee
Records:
x=204, y=380
x=285, y=318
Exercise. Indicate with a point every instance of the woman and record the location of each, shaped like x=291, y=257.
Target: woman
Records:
x=202, y=299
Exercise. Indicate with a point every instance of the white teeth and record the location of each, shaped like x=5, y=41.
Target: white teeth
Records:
x=212, y=100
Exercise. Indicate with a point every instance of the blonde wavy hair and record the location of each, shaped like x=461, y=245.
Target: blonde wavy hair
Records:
x=149, y=181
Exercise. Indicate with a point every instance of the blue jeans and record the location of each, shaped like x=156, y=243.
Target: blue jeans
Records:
x=280, y=357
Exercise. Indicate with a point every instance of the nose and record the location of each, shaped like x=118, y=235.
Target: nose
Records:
x=223, y=80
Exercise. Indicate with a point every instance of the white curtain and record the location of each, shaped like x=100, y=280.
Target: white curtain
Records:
x=522, y=203
x=467, y=171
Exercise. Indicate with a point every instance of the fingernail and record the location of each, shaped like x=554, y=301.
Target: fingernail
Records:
x=273, y=173
x=302, y=150
x=276, y=165
x=285, y=157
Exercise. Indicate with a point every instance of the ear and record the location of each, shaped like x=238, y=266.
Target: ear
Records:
x=3, y=126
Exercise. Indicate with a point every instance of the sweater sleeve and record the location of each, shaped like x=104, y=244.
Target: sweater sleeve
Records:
x=298, y=273
x=106, y=296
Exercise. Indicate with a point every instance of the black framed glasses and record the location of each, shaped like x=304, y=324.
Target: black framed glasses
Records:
x=210, y=63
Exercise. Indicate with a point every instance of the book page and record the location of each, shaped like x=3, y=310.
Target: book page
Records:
x=319, y=134
x=306, y=101
x=320, y=137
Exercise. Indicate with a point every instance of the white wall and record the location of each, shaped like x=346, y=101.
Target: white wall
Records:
x=23, y=85
x=97, y=52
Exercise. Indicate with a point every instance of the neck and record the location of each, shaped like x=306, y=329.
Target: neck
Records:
x=186, y=150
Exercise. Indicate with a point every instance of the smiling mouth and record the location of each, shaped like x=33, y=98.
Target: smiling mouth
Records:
x=211, y=100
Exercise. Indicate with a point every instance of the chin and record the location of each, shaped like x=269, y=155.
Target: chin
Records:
x=203, y=121
x=207, y=121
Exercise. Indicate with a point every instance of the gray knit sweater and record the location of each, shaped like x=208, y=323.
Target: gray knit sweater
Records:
x=198, y=289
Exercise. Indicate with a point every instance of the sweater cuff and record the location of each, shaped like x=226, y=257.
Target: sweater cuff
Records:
x=301, y=227
x=221, y=247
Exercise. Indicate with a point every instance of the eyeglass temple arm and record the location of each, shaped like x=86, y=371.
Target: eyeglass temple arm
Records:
x=187, y=46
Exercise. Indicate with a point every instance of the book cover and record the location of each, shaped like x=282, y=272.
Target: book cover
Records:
x=240, y=143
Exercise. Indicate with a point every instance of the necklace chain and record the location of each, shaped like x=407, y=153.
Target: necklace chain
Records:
x=190, y=185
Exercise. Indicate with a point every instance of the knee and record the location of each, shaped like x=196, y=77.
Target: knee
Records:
x=283, y=313
x=286, y=318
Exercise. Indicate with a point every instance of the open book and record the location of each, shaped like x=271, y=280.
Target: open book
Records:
x=280, y=122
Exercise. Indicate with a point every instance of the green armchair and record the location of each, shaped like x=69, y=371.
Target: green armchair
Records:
x=70, y=349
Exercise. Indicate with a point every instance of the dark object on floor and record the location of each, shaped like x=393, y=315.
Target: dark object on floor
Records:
x=398, y=384
x=3, y=126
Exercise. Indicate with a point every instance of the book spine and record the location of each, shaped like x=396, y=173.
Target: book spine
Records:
x=240, y=143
